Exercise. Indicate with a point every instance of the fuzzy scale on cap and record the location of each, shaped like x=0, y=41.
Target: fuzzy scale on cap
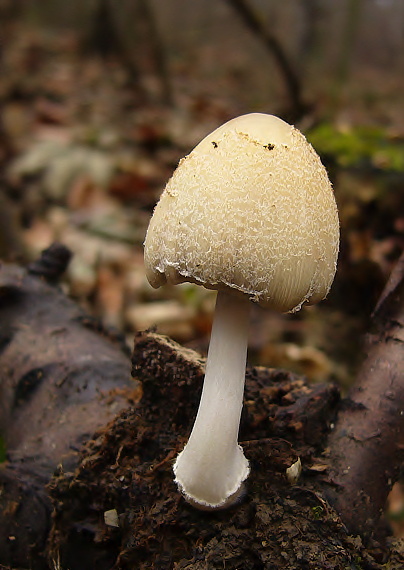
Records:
x=250, y=208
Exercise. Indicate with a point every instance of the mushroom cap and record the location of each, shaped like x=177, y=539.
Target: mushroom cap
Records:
x=251, y=208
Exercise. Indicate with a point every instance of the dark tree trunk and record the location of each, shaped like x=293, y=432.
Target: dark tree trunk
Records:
x=297, y=106
x=367, y=443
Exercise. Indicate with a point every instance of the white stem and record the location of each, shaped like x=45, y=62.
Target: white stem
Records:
x=212, y=466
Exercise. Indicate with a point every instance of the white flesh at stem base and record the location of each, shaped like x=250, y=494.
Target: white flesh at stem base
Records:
x=212, y=466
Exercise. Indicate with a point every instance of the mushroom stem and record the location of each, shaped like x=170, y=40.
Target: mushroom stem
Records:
x=212, y=466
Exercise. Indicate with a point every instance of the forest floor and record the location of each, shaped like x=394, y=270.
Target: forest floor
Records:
x=84, y=157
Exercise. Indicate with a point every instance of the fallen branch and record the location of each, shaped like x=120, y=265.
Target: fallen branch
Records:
x=62, y=378
x=367, y=443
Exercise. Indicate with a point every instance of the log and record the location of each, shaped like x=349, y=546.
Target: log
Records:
x=62, y=378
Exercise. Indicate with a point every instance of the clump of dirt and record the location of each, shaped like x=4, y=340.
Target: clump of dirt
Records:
x=121, y=509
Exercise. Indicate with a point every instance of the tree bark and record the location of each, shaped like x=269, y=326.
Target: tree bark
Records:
x=367, y=443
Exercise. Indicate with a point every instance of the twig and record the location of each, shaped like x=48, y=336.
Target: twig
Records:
x=292, y=81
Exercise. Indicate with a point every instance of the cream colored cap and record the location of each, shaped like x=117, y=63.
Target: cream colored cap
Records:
x=250, y=208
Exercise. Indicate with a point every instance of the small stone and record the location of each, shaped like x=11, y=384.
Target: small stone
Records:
x=111, y=518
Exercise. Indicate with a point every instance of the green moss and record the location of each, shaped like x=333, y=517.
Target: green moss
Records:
x=359, y=146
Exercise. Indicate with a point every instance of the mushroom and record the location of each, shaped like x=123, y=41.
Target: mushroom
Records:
x=251, y=213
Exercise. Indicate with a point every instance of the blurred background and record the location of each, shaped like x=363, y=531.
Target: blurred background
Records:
x=99, y=99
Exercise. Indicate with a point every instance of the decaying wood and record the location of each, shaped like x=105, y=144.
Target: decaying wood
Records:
x=126, y=472
x=275, y=401
x=367, y=444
